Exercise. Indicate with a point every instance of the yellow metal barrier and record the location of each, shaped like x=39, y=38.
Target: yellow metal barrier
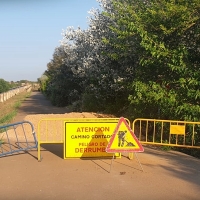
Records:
x=167, y=132
x=52, y=130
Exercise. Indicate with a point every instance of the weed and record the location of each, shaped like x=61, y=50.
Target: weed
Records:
x=1, y=140
x=8, y=117
x=17, y=104
x=9, y=108
x=166, y=148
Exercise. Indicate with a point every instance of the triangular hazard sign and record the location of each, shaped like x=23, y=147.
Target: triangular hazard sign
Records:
x=123, y=139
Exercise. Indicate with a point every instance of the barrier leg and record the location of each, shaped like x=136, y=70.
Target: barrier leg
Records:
x=139, y=162
x=130, y=156
x=39, y=153
x=111, y=163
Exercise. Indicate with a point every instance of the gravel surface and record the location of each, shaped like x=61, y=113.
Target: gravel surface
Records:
x=36, y=108
x=53, y=124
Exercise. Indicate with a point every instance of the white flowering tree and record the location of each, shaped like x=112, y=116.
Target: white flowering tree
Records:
x=83, y=68
x=103, y=78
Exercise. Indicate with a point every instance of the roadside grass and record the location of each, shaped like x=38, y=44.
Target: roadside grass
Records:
x=8, y=109
x=1, y=139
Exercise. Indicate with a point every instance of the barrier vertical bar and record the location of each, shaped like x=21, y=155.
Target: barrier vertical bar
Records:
x=147, y=131
x=154, y=131
x=193, y=135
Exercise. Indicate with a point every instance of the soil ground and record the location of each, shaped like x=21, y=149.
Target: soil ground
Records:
x=166, y=175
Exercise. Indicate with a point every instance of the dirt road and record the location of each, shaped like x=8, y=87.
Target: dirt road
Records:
x=167, y=175
x=37, y=104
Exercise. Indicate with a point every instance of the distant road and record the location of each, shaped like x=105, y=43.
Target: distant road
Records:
x=37, y=104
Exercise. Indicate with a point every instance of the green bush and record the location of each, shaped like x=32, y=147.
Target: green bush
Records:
x=4, y=86
x=91, y=103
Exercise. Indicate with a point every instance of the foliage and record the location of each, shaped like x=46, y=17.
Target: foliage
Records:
x=165, y=36
x=139, y=57
x=8, y=117
x=9, y=108
x=1, y=138
x=43, y=82
x=81, y=67
x=4, y=86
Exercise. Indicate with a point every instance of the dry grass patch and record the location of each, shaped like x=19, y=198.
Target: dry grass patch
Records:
x=8, y=109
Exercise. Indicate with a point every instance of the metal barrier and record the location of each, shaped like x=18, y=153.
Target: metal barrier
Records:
x=17, y=137
x=167, y=132
x=52, y=130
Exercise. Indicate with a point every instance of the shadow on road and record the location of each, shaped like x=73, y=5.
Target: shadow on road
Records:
x=38, y=104
x=56, y=149
x=179, y=165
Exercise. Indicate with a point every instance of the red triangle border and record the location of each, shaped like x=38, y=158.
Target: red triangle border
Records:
x=108, y=150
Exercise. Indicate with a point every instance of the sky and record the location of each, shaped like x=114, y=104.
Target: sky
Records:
x=30, y=30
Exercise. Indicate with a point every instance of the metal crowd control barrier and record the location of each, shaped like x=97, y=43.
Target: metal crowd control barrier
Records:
x=17, y=137
x=167, y=132
x=51, y=131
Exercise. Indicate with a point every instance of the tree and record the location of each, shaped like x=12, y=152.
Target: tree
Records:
x=164, y=36
x=104, y=79
x=4, y=86
x=82, y=59
x=43, y=82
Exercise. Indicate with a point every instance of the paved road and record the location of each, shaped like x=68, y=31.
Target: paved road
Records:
x=37, y=104
x=167, y=175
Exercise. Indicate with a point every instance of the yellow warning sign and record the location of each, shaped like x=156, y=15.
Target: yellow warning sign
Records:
x=87, y=138
x=123, y=139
